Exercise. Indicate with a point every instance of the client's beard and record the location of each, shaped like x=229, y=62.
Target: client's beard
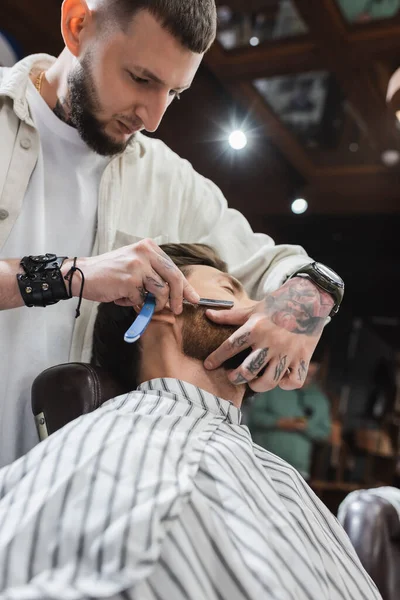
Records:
x=200, y=337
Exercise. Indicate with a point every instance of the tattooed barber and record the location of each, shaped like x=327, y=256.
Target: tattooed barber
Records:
x=86, y=198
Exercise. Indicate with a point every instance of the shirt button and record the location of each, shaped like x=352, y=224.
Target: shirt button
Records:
x=4, y=214
x=26, y=143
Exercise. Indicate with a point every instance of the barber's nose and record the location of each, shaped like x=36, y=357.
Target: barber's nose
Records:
x=152, y=112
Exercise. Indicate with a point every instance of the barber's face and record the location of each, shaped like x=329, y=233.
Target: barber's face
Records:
x=123, y=82
x=200, y=336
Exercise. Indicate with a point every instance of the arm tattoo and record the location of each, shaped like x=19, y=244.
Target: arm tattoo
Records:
x=241, y=340
x=302, y=370
x=157, y=283
x=280, y=367
x=240, y=379
x=299, y=306
x=258, y=362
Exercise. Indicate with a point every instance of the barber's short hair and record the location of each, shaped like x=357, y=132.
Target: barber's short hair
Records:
x=192, y=22
x=110, y=351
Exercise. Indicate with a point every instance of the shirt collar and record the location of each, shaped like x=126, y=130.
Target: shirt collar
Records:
x=186, y=392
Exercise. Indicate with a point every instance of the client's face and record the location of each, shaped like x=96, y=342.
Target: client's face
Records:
x=200, y=336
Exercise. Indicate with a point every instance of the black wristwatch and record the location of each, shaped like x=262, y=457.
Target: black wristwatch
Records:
x=325, y=278
x=42, y=282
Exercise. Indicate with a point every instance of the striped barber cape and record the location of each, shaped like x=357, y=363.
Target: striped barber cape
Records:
x=162, y=495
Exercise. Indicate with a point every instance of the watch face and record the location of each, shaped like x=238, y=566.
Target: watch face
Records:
x=327, y=272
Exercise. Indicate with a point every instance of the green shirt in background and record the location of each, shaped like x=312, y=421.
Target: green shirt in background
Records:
x=294, y=447
x=375, y=9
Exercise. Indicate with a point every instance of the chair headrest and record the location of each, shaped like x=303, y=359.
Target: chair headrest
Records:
x=63, y=393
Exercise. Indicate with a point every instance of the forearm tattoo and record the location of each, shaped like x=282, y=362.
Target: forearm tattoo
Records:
x=258, y=361
x=302, y=370
x=299, y=306
x=280, y=367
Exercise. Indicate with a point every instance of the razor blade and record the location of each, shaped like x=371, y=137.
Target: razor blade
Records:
x=139, y=326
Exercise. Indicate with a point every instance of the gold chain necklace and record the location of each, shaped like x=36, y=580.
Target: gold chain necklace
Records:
x=39, y=81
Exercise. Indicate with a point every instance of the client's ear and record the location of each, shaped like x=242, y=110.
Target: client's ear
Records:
x=164, y=316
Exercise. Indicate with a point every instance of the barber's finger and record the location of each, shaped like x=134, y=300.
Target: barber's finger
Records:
x=251, y=367
x=237, y=342
x=272, y=375
x=233, y=316
x=293, y=378
x=179, y=287
x=159, y=288
x=128, y=302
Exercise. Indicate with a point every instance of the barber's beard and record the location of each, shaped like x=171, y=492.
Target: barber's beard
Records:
x=84, y=105
x=200, y=337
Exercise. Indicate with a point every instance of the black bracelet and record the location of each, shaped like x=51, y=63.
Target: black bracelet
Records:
x=68, y=277
x=42, y=282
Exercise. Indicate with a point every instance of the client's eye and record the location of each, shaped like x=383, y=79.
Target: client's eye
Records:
x=227, y=287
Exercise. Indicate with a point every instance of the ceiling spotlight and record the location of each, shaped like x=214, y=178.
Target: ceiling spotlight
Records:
x=299, y=206
x=238, y=140
x=254, y=41
x=390, y=158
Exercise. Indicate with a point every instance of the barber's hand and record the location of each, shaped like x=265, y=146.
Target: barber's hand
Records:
x=292, y=424
x=282, y=331
x=125, y=275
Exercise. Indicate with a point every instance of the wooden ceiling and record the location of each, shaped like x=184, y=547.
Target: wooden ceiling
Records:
x=354, y=198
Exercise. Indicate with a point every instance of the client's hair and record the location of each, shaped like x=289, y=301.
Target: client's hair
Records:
x=110, y=351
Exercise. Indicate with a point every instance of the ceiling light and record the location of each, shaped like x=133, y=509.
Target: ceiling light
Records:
x=299, y=206
x=238, y=140
x=390, y=158
x=254, y=41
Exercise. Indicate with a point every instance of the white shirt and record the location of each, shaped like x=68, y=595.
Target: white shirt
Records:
x=148, y=191
x=58, y=215
x=161, y=494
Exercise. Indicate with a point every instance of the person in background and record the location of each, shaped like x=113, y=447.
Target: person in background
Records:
x=362, y=11
x=288, y=423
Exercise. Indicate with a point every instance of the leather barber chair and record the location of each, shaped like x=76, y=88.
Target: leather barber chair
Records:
x=63, y=393
x=373, y=526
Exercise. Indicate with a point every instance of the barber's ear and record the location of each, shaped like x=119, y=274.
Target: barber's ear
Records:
x=75, y=17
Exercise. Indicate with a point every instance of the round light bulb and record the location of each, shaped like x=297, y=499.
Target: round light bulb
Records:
x=390, y=157
x=254, y=41
x=299, y=206
x=238, y=140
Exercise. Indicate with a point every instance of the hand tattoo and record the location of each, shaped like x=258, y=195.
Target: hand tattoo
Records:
x=142, y=292
x=156, y=282
x=239, y=380
x=280, y=367
x=258, y=362
x=299, y=306
x=167, y=261
x=241, y=340
x=302, y=370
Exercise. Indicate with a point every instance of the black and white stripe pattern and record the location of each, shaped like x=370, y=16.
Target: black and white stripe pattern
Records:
x=162, y=495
